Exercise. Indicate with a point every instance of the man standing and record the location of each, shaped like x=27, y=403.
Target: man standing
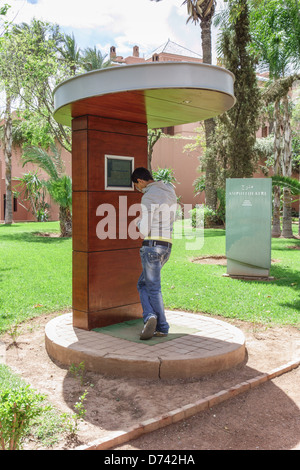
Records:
x=158, y=209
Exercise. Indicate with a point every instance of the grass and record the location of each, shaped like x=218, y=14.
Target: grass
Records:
x=35, y=272
x=36, y=278
x=203, y=288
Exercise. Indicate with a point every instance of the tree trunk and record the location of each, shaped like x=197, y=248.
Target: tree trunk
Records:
x=211, y=167
x=206, y=40
x=209, y=124
x=65, y=219
x=7, y=158
x=276, y=229
x=152, y=138
x=287, y=231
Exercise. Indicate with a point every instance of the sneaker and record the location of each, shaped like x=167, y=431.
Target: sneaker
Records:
x=160, y=334
x=149, y=328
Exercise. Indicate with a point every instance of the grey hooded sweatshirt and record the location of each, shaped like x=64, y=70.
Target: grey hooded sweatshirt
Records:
x=158, y=211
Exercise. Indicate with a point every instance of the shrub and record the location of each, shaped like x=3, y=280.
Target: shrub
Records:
x=18, y=406
x=203, y=214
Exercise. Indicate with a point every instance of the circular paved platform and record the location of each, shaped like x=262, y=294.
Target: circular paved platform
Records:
x=204, y=346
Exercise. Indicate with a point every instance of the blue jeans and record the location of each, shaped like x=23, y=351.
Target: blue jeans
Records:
x=149, y=287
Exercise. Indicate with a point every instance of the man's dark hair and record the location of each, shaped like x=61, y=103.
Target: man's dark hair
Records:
x=142, y=174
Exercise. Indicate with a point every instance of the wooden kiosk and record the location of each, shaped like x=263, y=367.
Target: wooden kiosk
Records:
x=110, y=111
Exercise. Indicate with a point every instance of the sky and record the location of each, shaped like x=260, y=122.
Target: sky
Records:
x=120, y=23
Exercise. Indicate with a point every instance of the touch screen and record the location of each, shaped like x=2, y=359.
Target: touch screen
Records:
x=118, y=172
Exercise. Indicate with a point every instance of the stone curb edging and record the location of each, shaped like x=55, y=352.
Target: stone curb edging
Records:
x=220, y=346
x=115, y=438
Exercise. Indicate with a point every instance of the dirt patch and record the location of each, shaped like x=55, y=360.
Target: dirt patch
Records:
x=118, y=403
x=219, y=260
x=47, y=234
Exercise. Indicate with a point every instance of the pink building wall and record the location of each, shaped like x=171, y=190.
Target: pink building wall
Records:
x=21, y=213
x=170, y=152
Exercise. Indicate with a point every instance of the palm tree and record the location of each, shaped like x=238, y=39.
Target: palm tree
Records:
x=61, y=192
x=277, y=61
x=287, y=182
x=70, y=52
x=202, y=11
x=59, y=184
x=290, y=184
x=275, y=30
x=92, y=59
x=32, y=189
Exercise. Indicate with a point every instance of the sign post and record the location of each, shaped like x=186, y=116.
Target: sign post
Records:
x=248, y=226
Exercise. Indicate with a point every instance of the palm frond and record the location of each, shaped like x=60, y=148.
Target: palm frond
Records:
x=61, y=191
x=50, y=162
x=285, y=182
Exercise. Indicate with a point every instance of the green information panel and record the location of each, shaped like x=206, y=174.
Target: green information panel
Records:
x=248, y=226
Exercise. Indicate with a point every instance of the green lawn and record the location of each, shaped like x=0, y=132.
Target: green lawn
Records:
x=203, y=288
x=36, y=277
x=35, y=272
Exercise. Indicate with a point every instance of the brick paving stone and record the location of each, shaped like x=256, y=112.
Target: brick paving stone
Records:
x=212, y=339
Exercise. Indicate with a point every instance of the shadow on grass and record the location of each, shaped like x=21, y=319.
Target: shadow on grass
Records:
x=284, y=277
x=32, y=237
x=295, y=305
x=292, y=246
x=9, y=226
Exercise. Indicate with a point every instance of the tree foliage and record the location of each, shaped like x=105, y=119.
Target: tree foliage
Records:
x=30, y=63
x=93, y=59
x=236, y=130
x=275, y=27
x=34, y=59
x=59, y=184
x=31, y=188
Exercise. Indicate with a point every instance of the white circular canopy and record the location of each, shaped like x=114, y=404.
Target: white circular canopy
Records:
x=161, y=95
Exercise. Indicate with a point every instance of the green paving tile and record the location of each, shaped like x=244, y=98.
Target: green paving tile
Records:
x=131, y=329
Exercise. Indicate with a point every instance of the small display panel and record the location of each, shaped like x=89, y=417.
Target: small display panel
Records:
x=118, y=172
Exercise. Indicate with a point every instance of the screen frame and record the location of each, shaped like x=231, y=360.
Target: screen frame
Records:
x=118, y=188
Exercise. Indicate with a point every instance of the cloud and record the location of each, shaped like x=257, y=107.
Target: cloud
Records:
x=124, y=24
x=141, y=22
x=94, y=13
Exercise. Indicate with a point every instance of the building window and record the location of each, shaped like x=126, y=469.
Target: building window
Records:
x=168, y=130
x=15, y=204
x=155, y=58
